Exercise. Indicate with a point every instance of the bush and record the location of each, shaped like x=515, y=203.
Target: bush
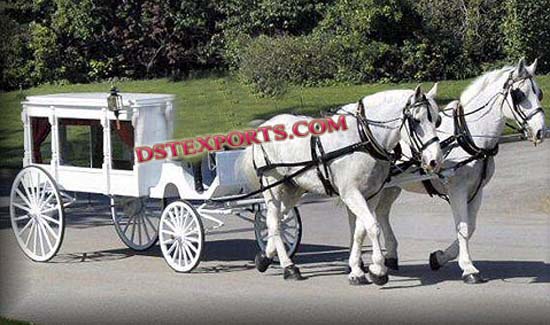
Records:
x=269, y=64
x=527, y=30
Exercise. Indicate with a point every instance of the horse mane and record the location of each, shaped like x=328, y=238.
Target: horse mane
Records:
x=479, y=85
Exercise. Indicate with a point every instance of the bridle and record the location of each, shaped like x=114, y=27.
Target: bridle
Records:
x=417, y=145
x=518, y=96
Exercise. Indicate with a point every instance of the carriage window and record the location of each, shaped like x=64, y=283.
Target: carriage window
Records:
x=81, y=143
x=41, y=140
x=122, y=145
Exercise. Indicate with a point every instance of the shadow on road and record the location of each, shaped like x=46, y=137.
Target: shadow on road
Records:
x=231, y=255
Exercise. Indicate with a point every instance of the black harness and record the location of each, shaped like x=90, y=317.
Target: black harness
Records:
x=368, y=144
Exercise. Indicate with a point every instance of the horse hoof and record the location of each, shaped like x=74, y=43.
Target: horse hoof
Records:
x=358, y=280
x=292, y=273
x=474, y=278
x=434, y=264
x=378, y=280
x=262, y=262
x=392, y=264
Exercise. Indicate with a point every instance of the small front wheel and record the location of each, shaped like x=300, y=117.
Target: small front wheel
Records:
x=181, y=236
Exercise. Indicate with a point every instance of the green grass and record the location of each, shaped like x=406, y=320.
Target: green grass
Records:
x=211, y=105
x=7, y=321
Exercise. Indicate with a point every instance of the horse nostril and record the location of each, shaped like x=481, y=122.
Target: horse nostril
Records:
x=433, y=163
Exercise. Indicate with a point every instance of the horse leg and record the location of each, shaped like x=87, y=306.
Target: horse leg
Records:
x=460, y=207
x=366, y=217
x=474, y=275
x=388, y=197
x=356, y=267
x=440, y=258
x=275, y=243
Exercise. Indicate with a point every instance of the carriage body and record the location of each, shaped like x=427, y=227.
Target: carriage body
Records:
x=68, y=118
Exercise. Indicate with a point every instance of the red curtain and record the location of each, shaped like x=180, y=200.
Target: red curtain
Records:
x=126, y=132
x=40, y=127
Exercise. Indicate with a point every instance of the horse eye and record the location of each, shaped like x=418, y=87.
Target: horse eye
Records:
x=541, y=95
x=438, y=122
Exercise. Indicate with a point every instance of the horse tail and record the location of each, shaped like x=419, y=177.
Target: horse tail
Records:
x=244, y=167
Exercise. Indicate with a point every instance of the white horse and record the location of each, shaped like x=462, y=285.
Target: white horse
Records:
x=510, y=92
x=355, y=174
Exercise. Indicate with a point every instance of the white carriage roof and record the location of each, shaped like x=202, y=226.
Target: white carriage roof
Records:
x=97, y=100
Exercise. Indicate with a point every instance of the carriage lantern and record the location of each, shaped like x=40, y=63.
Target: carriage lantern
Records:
x=114, y=104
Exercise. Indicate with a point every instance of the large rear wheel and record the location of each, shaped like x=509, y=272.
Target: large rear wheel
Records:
x=36, y=213
x=291, y=230
x=137, y=220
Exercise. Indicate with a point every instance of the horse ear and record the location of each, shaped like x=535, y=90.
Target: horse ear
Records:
x=531, y=69
x=521, y=70
x=418, y=93
x=433, y=92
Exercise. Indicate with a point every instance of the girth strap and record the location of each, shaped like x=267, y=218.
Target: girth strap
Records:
x=316, y=144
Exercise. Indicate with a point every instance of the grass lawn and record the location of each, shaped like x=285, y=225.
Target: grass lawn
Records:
x=208, y=105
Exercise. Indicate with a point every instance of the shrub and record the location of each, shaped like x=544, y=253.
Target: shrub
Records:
x=527, y=30
x=269, y=64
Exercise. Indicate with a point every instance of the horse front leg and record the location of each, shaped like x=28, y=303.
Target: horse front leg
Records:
x=465, y=215
x=387, y=198
x=366, y=217
x=439, y=258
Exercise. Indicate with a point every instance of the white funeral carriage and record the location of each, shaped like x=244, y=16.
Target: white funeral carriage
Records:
x=76, y=142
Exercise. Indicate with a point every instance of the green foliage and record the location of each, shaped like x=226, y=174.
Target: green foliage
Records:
x=527, y=30
x=269, y=64
x=312, y=41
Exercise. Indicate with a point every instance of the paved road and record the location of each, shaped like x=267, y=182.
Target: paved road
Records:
x=95, y=279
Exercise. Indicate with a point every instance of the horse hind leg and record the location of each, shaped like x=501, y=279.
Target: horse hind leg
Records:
x=275, y=244
x=367, y=219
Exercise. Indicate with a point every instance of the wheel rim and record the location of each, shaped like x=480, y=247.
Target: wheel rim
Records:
x=291, y=230
x=36, y=211
x=137, y=221
x=181, y=236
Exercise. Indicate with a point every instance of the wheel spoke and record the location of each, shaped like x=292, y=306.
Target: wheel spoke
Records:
x=26, y=216
x=151, y=223
x=50, y=209
x=50, y=219
x=179, y=254
x=29, y=234
x=128, y=223
x=31, y=221
x=168, y=241
x=139, y=222
x=22, y=196
x=17, y=205
x=170, y=224
x=40, y=239
x=145, y=229
x=47, y=200
x=171, y=249
x=164, y=231
x=195, y=249
x=35, y=239
x=49, y=228
x=188, y=253
x=193, y=239
x=26, y=187
x=45, y=234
